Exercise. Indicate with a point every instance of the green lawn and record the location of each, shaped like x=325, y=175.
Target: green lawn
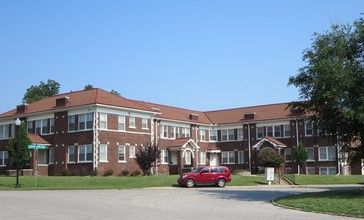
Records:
x=325, y=179
x=348, y=203
x=111, y=182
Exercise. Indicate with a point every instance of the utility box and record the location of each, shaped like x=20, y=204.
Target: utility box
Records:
x=269, y=174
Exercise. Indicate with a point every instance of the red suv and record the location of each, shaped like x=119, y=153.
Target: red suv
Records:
x=206, y=175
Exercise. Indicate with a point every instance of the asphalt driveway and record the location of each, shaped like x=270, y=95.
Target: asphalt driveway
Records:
x=165, y=203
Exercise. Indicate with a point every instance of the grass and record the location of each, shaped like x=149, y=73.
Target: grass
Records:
x=324, y=179
x=348, y=203
x=110, y=182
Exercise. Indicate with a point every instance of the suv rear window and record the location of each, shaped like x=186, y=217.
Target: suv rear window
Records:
x=223, y=170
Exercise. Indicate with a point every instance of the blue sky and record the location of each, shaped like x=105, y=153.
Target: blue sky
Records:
x=195, y=54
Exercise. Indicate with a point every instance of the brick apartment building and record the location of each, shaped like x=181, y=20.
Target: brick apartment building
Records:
x=94, y=130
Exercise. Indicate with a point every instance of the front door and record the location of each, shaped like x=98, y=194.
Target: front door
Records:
x=214, y=159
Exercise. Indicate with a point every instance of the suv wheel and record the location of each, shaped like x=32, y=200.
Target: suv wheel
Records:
x=190, y=183
x=220, y=182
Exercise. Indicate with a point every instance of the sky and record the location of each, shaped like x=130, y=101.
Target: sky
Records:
x=195, y=54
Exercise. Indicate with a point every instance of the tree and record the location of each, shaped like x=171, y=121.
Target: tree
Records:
x=331, y=85
x=24, y=141
x=270, y=158
x=43, y=90
x=146, y=157
x=301, y=156
x=88, y=87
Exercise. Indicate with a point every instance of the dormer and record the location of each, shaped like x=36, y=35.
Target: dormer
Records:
x=249, y=116
x=63, y=101
x=193, y=117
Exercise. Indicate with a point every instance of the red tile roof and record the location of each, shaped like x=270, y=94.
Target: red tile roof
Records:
x=263, y=112
x=174, y=113
x=99, y=96
x=36, y=139
x=79, y=98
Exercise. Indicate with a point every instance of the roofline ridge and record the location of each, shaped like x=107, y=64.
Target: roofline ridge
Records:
x=247, y=107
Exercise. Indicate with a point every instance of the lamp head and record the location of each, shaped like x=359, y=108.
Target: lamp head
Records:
x=17, y=122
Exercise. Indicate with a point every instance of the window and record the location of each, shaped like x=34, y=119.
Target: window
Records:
x=51, y=125
x=131, y=151
x=121, y=123
x=89, y=120
x=203, y=158
x=277, y=131
x=85, y=153
x=188, y=158
x=327, y=153
x=42, y=157
x=185, y=132
x=4, y=131
x=287, y=130
x=45, y=126
x=175, y=132
x=144, y=123
x=310, y=154
x=203, y=135
x=227, y=135
x=71, y=123
x=38, y=127
x=310, y=170
x=240, y=157
x=164, y=157
x=103, y=153
x=81, y=122
x=308, y=129
x=213, y=135
x=164, y=131
x=51, y=155
x=224, y=136
x=231, y=135
x=121, y=152
x=103, y=121
x=288, y=154
x=260, y=132
x=228, y=157
x=327, y=170
x=29, y=126
x=240, y=134
x=131, y=122
x=270, y=131
x=71, y=154
x=3, y=158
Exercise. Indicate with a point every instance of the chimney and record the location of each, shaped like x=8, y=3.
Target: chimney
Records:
x=249, y=116
x=63, y=101
x=21, y=108
x=194, y=117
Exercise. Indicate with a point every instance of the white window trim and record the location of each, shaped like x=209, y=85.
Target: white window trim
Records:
x=131, y=119
x=131, y=155
x=327, y=154
x=163, y=155
x=100, y=159
x=308, y=135
x=105, y=120
x=228, y=156
x=68, y=154
x=78, y=153
x=203, y=160
x=122, y=161
x=215, y=131
x=147, y=125
x=327, y=169
x=121, y=120
x=257, y=129
x=2, y=155
x=313, y=149
x=241, y=159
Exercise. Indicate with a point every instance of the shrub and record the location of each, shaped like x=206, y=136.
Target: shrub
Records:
x=66, y=173
x=108, y=172
x=135, y=173
x=93, y=173
x=124, y=172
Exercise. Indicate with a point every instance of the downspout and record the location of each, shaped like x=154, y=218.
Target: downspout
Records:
x=338, y=156
x=297, y=142
x=250, y=153
x=197, y=138
x=95, y=140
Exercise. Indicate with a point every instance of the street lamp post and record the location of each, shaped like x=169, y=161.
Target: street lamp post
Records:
x=17, y=124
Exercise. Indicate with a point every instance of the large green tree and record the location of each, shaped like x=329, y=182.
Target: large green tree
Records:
x=331, y=84
x=43, y=90
x=24, y=141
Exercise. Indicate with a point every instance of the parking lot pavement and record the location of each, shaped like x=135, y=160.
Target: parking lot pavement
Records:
x=164, y=203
